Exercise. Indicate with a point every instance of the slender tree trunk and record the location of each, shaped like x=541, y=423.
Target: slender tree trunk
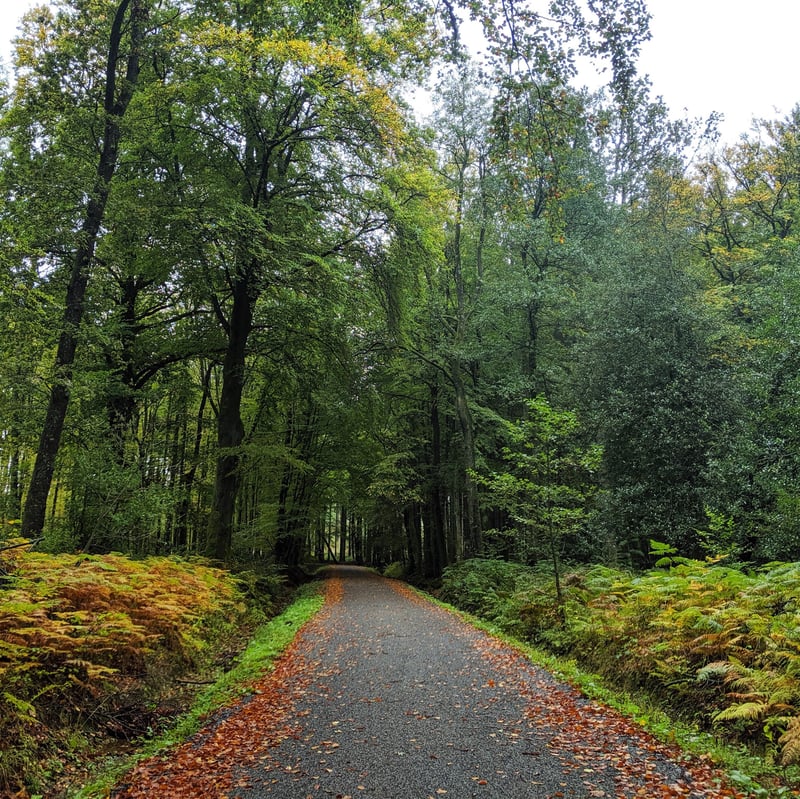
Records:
x=412, y=525
x=121, y=402
x=285, y=549
x=14, y=506
x=230, y=429
x=188, y=477
x=472, y=522
x=115, y=105
x=342, y=534
x=54, y=505
x=436, y=548
x=282, y=547
x=531, y=365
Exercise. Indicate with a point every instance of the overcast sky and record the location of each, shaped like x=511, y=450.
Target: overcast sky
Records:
x=733, y=56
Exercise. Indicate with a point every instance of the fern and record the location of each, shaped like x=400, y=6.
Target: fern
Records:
x=748, y=711
x=711, y=641
x=75, y=632
x=718, y=670
x=790, y=743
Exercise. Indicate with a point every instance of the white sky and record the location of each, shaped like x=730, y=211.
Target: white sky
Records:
x=733, y=56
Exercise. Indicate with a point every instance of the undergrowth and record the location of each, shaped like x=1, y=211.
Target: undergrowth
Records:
x=268, y=642
x=714, y=646
x=89, y=644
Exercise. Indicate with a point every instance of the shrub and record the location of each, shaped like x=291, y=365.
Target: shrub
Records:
x=395, y=571
x=714, y=643
x=85, y=639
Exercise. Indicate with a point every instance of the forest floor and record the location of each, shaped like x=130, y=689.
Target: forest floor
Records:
x=384, y=694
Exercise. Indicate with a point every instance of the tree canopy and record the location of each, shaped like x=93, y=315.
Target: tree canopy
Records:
x=254, y=308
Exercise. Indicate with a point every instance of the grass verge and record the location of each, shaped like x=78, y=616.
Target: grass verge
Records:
x=748, y=773
x=269, y=641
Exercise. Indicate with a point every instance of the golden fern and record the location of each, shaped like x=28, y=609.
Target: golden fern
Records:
x=790, y=743
x=72, y=631
x=745, y=711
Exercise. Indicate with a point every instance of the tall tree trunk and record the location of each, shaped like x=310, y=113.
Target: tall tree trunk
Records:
x=188, y=477
x=436, y=546
x=115, y=105
x=121, y=402
x=472, y=522
x=412, y=524
x=286, y=549
x=342, y=534
x=14, y=504
x=230, y=429
x=471, y=519
x=283, y=549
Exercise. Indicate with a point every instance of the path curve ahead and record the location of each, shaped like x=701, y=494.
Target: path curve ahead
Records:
x=385, y=695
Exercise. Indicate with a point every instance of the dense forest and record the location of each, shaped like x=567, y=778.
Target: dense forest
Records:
x=255, y=305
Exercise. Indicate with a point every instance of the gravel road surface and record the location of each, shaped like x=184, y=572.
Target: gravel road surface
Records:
x=385, y=695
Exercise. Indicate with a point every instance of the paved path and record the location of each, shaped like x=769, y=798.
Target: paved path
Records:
x=386, y=695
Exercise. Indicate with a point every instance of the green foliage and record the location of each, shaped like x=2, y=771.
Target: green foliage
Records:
x=88, y=640
x=720, y=538
x=395, y=571
x=266, y=644
x=549, y=483
x=351, y=316
x=498, y=591
x=665, y=554
x=651, y=393
x=717, y=645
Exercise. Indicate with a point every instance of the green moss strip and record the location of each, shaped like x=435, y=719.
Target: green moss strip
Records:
x=269, y=641
x=750, y=774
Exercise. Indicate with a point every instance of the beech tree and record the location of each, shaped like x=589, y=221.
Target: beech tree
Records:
x=291, y=321
x=58, y=101
x=283, y=136
x=747, y=235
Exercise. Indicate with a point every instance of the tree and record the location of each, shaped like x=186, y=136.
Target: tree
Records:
x=747, y=223
x=463, y=127
x=649, y=383
x=549, y=484
x=283, y=138
x=304, y=314
x=113, y=95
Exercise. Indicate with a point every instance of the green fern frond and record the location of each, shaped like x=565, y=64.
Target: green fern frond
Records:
x=718, y=670
x=747, y=711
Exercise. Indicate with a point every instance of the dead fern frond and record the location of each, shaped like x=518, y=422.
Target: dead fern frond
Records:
x=790, y=743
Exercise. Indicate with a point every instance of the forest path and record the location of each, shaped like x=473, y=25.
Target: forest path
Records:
x=386, y=695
